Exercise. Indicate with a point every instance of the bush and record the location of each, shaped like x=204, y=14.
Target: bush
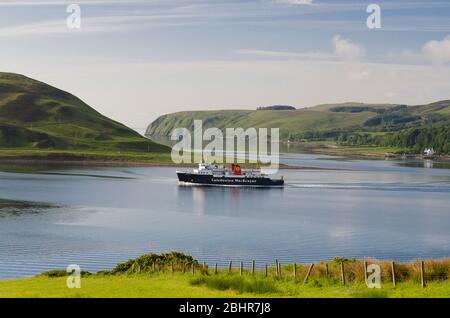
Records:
x=145, y=262
x=62, y=273
x=54, y=273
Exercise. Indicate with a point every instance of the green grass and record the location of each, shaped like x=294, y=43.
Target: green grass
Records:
x=176, y=274
x=221, y=285
x=34, y=115
x=257, y=285
x=85, y=155
x=290, y=121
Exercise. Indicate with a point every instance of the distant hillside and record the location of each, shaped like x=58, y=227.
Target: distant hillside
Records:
x=347, y=124
x=36, y=115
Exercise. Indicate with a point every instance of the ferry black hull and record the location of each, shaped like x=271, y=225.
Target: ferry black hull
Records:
x=228, y=181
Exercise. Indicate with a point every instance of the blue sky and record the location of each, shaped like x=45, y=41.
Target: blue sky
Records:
x=135, y=60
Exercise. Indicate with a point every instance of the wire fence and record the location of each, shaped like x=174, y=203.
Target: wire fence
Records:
x=340, y=270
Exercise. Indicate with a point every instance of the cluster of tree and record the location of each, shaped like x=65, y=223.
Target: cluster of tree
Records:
x=314, y=135
x=359, y=109
x=352, y=109
x=276, y=107
x=415, y=139
x=393, y=119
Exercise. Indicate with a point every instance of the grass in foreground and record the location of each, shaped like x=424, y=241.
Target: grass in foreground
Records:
x=220, y=285
x=176, y=274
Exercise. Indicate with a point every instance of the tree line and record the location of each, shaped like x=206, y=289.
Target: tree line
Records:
x=415, y=139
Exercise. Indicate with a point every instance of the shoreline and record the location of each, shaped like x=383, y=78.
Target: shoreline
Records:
x=360, y=152
x=124, y=163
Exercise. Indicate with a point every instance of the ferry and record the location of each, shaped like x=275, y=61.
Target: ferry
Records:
x=218, y=175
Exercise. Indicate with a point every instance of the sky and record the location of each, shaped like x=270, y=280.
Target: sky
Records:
x=136, y=60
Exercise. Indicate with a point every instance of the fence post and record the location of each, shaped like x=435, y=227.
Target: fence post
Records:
x=327, y=272
x=253, y=267
x=229, y=266
x=365, y=271
x=266, y=269
x=295, y=270
x=193, y=269
x=241, y=268
x=276, y=267
x=279, y=270
x=422, y=274
x=309, y=272
x=393, y=273
x=342, y=273
x=215, y=268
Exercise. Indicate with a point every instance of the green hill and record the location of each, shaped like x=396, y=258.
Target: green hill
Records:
x=349, y=124
x=34, y=115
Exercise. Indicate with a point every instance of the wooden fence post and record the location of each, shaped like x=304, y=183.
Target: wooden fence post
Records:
x=279, y=269
x=365, y=271
x=229, y=266
x=327, y=272
x=422, y=274
x=276, y=267
x=253, y=267
x=295, y=270
x=241, y=268
x=266, y=269
x=193, y=269
x=393, y=273
x=309, y=272
x=215, y=268
x=342, y=273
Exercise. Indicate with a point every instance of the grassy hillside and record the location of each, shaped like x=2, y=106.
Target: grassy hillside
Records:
x=34, y=115
x=348, y=124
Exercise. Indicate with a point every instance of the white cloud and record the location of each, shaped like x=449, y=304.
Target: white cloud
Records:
x=347, y=50
x=437, y=52
x=94, y=25
x=344, y=49
x=434, y=52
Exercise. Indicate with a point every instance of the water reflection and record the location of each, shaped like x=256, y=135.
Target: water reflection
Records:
x=230, y=201
x=378, y=209
x=428, y=163
x=11, y=208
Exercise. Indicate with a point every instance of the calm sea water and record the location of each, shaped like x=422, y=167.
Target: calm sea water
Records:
x=97, y=217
